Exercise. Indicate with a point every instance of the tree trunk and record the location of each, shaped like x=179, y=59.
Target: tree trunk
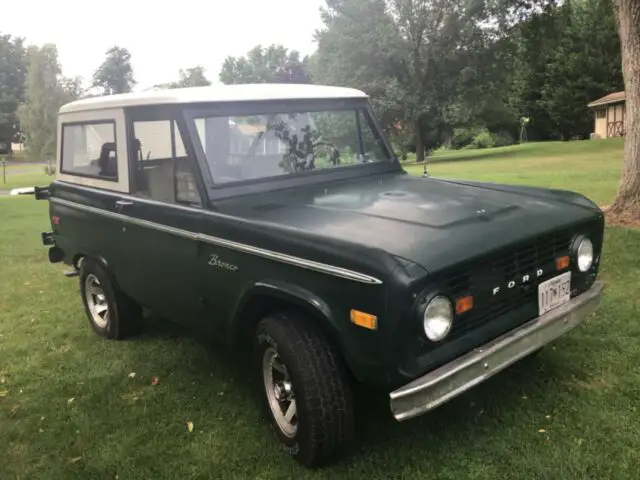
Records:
x=627, y=200
x=419, y=142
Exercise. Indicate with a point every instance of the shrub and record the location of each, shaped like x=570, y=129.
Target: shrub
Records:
x=503, y=139
x=463, y=136
x=484, y=139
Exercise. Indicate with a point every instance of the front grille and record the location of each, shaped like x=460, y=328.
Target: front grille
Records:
x=496, y=271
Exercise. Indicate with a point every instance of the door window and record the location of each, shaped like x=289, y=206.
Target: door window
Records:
x=162, y=168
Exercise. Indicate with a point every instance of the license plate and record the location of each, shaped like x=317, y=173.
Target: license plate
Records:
x=554, y=292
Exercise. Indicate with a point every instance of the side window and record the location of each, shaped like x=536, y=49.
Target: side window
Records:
x=89, y=150
x=162, y=169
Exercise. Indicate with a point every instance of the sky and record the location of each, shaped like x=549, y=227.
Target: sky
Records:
x=163, y=37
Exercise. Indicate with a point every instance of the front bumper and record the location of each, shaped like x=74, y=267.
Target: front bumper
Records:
x=446, y=382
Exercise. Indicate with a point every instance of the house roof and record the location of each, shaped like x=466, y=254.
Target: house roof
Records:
x=611, y=98
x=215, y=93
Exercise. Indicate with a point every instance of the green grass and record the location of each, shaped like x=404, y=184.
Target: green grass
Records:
x=590, y=167
x=68, y=408
x=28, y=179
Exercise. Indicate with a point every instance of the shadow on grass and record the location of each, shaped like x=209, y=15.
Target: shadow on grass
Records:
x=376, y=429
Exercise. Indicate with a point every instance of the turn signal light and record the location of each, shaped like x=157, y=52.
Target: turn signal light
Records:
x=364, y=320
x=562, y=262
x=464, y=304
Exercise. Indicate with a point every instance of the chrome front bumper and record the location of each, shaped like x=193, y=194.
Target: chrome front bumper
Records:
x=446, y=382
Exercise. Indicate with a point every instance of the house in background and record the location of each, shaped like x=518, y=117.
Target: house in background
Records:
x=610, y=114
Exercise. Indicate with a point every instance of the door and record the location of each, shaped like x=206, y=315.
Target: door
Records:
x=161, y=219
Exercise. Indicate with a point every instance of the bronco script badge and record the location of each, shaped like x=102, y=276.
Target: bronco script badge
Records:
x=215, y=261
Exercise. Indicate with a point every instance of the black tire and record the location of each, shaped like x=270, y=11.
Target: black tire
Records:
x=320, y=384
x=124, y=315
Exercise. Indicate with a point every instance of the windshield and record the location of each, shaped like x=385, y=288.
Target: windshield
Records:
x=249, y=147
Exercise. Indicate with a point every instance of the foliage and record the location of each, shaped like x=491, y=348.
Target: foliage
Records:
x=273, y=64
x=115, y=74
x=565, y=58
x=191, y=77
x=13, y=69
x=45, y=92
x=432, y=66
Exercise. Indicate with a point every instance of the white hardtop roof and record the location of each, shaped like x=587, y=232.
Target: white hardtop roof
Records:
x=217, y=93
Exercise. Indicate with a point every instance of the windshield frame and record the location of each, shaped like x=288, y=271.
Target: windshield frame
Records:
x=287, y=180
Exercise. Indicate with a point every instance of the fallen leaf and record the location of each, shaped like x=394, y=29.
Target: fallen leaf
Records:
x=155, y=381
x=42, y=418
x=542, y=430
x=70, y=400
x=4, y=393
x=76, y=459
x=15, y=409
x=580, y=441
x=548, y=417
x=132, y=375
x=221, y=393
x=189, y=425
x=41, y=430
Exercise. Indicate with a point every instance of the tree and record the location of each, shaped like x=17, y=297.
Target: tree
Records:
x=115, y=75
x=628, y=20
x=564, y=58
x=13, y=69
x=412, y=52
x=274, y=64
x=45, y=92
x=191, y=77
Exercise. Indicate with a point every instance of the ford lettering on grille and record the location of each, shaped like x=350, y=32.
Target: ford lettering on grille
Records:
x=520, y=281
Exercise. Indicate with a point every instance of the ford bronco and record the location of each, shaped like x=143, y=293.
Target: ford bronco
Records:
x=278, y=216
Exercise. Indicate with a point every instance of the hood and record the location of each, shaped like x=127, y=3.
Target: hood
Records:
x=432, y=222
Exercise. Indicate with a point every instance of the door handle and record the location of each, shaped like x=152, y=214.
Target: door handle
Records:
x=123, y=203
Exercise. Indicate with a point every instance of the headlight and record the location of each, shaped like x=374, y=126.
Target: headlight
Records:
x=438, y=317
x=584, y=254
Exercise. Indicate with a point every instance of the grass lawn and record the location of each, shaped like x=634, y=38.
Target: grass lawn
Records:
x=29, y=179
x=69, y=408
x=590, y=167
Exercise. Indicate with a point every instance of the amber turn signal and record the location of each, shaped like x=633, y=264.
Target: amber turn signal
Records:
x=364, y=320
x=464, y=304
x=562, y=262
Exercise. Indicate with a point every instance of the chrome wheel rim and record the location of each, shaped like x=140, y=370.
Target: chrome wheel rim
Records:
x=279, y=390
x=96, y=301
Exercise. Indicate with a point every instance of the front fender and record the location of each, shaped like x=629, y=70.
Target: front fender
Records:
x=286, y=292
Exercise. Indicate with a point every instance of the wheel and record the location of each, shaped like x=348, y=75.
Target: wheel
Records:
x=111, y=313
x=306, y=395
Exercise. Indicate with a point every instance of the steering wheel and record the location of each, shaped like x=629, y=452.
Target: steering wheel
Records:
x=334, y=155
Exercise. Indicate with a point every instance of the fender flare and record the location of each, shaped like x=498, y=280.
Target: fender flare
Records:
x=285, y=292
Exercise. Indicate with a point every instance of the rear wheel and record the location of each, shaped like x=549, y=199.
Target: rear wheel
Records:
x=306, y=391
x=111, y=313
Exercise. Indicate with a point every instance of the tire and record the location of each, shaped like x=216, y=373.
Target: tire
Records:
x=318, y=384
x=111, y=313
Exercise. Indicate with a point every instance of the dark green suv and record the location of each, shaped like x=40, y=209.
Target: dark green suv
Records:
x=277, y=216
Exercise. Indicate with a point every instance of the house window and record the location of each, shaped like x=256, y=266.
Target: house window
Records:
x=601, y=113
x=89, y=150
x=162, y=168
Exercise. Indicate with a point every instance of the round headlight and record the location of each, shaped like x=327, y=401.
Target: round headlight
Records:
x=585, y=254
x=438, y=317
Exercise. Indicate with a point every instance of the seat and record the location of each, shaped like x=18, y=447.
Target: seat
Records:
x=108, y=160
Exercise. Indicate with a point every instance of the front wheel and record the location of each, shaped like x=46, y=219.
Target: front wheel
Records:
x=307, y=395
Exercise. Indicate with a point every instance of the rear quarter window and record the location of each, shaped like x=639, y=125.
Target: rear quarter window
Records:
x=89, y=150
